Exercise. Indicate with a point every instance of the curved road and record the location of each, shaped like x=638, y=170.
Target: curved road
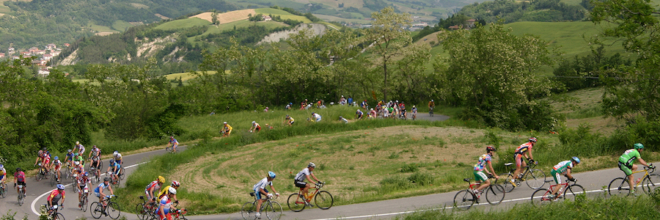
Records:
x=592, y=181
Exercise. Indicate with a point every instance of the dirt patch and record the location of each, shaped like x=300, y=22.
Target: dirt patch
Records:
x=227, y=17
x=161, y=16
x=431, y=39
x=350, y=161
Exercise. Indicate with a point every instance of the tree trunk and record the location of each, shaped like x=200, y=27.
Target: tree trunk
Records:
x=385, y=81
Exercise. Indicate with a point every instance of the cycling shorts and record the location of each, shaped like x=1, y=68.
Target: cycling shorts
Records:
x=258, y=128
x=96, y=165
x=118, y=162
x=518, y=158
x=46, y=161
x=299, y=184
x=2, y=177
x=480, y=176
x=291, y=122
x=626, y=168
x=20, y=183
x=258, y=193
x=57, y=167
x=556, y=176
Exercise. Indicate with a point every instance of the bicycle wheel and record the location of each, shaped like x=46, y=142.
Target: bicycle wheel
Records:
x=21, y=199
x=540, y=197
x=2, y=190
x=38, y=176
x=96, y=209
x=140, y=211
x=84, y=203
x=324, y=200
x=248, y=211
x=52, y=180
x=295, y=202
x=274, y=211
x=123, y=174
x=506, y=184
x=573, y=191
x=58, y=216
x=535, y=178
x=650, y=183
x=619, y=187
x=113, y=210
x=464, y=200
x=495, y=194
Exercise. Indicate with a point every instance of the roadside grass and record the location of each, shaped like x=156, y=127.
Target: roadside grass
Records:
x=642, y=207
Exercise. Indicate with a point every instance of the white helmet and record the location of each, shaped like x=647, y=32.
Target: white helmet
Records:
x=76, y=163
x=254, y=122
x=115, y=153
x=77, y=142
x=172, y=190
x=312, y=165
x=225, y=123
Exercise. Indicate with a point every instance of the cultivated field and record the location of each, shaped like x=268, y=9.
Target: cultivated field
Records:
x=227, y=17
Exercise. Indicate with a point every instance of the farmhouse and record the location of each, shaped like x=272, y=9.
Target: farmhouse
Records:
x=51, y=47
x=43, y=72
x=2, y=55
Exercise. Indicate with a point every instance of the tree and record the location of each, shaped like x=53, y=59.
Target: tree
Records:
x=492, y=72
x=388, y=37
x=214, y=17
x=633, y=90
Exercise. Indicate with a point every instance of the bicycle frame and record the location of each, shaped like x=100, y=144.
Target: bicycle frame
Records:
x=646, y=173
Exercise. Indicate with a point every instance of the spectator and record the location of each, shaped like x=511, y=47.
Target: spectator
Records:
x=350, y=100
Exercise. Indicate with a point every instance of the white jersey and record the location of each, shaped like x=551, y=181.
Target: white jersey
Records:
x=262, y=184
x=302, y=175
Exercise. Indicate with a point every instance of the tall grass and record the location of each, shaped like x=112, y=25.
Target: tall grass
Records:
x=643, y=207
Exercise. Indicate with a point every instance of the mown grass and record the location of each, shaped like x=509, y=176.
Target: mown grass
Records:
x=643, y=207
x=241, y=24
x=183, y=23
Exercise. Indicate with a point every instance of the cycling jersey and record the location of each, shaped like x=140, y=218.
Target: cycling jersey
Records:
x=82, y=183
x=100, y=187
x=344, y=120
x=414, y=110
x=78, y=158
x=57, y=163
x=96, y=152
x=431, y=104
x=118, y=158
x=46, y=159
x=163, y=191
x=116, y=168
x=629, y=157
x=563, y=166
x=256, y=126
x=481, y=165
x=174, y=141
x=81, y=148
x=69, y=156
x=302, y=175
x=56, y=195
x=291, y=120
x=3, y=172
x=228, y=128
x=524, y=147
x=317, y=117
x=20, y=176
x=262, y=185
x=166, y=203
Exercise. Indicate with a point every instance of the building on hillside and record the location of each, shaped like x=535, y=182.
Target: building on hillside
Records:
x=39, y=62
x=267, y=18
x=43, y=72
x=67, y=44
x=39, y=52
x=47, y=57
x=33, y=50
x=51, y=47
x=470, y=23
x=2, y=55
x=55, y=52
x=454, y=27
x=15, y=57
x=11, y=51
x=26, y=54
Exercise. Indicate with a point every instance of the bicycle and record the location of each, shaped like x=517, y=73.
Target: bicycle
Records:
x=620, y=185
x=68, y=171
x=534, y=178
x=179, y=214
x=466, y=198
x=431, y=111
x=145, y=210
x=97, y=208
x=95, y=178
x=41, y=174
x=74, y=183
x=542, y=196
x=21, y=195
x=414, y=116
x=53, y=212
x=322, y=199
x=53, y=179
x=273, y=209
x=3, y=190
x=84, y=200
x=170, y=149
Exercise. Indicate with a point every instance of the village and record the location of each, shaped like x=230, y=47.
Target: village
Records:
x=42, y=56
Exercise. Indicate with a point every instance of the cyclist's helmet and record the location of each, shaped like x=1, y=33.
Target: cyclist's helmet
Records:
x=76, y=163
x=532, y=139
x=2, y=166
x=431, y=99
x=490, y=148
x=94, y=146
x=172, y=191
x=312, y=165
x=60, y=186
x=638, y=146
x=312, y=113
x=77, y=142
x=340, y=117
x=75, y=154
x=112, y=162
x=69, y=150
x=115, y=153
x=225, y=123
x=413, y=106
x=576, y=160
x=271, y=174
x=43, y=149
x=106, y=179
x=56, y=158
x=176, y=184
x=41, y=152
x=161, y=179
x=86, y=174
x=254, y=122
x=287, y=116
x=18, y=169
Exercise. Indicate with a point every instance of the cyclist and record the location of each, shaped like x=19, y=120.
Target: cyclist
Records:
x=303, y=175
x=174, y=144
x=358, y=114
x=391, y=111
x=626, y=163
x=78, y=158
x=255, y=127
x=114, y=169
x=118, y=158
x=57, y=165
x=78, y=169
x=96, y=164
x=164, y=190
x=343, y=120
x=564, y=167
x=56, y=195
x=3, y=174
x=372, y=113
x=154, y=187
x=431, y=106
x=69, y=157
x=44, y=158
x=526, y=151
x=226, y=130
x=95, y=152
x=289, y=120
x=260, y=189
x=316, y=117
x=480, y=167
x=414, y=111
x=19, y=179
x=98, y=191
x=165, y=205
x=79, y=148
x=82, y=186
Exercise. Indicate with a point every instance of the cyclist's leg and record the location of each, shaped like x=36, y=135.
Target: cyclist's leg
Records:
x=260, y=200
x=557, y=179
x=480, y=177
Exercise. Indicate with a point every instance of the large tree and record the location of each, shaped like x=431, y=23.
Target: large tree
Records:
x=492, y=72
x=387, y=38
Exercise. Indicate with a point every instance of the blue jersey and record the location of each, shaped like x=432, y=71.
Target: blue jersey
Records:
x=101, y=186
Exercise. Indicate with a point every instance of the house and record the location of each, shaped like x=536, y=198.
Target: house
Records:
x=2, y=55
x=39, y=52
x=11, y=51
x=26, y=54
x=67, y=44
x=470, y=23
x=15, y=57
x=267, y=18
x=33, y=50
x=55, y=52
x=455, y=27
x=47, y=57
x=51, y=47
x=43, y=72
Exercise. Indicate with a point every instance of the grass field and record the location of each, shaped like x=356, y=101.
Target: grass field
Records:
x=183, y=23
x=186, y=76
x=121, y=25
x=584, y=107
x=100, y=28
x=243, y=23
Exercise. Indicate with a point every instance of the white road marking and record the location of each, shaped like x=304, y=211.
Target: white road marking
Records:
x=34, y=202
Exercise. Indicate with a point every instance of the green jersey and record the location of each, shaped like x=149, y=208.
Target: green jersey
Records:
x=629, y=156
